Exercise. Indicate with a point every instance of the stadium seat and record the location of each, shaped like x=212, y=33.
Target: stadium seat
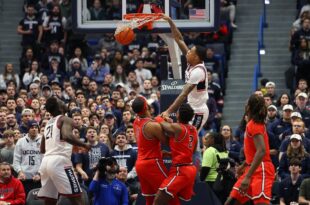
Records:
x=32, y=198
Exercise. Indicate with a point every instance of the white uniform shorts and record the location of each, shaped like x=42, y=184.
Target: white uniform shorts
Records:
x=200, y=117
x=57, y=177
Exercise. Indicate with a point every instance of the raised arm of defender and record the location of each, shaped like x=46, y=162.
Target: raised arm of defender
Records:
x=176, y=35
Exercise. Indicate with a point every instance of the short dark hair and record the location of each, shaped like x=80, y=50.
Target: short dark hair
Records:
x=91, y=128
x=201, y=52
x=52, y=106
x=186, y=113
x=138, y=105
x=295, y=161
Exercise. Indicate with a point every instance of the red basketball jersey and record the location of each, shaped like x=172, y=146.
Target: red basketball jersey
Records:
x=253, y=129
x=183, y=146
x=148, y=148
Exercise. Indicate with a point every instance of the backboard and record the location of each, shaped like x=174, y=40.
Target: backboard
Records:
x=189, y=15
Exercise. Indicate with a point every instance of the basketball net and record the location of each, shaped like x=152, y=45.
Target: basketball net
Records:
x=139, y=20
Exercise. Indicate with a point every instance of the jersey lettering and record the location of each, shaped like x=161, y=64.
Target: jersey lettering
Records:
x=49, y=132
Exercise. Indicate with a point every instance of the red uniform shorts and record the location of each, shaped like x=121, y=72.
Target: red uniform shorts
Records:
x=180, y=182
x=259, y=190
x=151, y=173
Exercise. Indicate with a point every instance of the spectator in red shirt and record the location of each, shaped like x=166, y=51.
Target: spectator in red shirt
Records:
x=11, y=189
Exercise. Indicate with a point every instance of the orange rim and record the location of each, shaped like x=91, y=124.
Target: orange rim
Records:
x=156, y=16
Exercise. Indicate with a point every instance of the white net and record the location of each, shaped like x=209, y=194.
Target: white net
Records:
x=134, y=21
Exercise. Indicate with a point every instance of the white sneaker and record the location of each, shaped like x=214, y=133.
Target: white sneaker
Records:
x=234, y=25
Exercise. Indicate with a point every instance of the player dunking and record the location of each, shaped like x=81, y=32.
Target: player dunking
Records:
x=257, y=172
x=149, y=165
x=182, y=142
x=57, y=175
x=196, y=79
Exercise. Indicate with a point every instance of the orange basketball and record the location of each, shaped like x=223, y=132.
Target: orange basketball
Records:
x=125, y=37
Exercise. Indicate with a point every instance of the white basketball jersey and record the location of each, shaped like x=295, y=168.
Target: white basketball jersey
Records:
x=54, y=145
x=198, y=76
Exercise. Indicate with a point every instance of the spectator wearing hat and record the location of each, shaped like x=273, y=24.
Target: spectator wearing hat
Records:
x=282, y=124
x=27, y=115
x=271, y=90
x=289, y=187
x=298, y=127
x=78, y=54
x=76, y=73
x=97, y=71
x=33, y=73
x=272, y=112
x=7, y=152
x=100, y=111
x=295, y=116
x=301, y=103
x=34, y=92
x=110, y=120
x=295, y=149
x=46, y=91
x=27, y=157
x=52, y=53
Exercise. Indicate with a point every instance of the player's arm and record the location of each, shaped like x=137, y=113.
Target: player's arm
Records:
x=181, y=98
x=176, y=35
x=42, y=145
x=67, y=135
x=154, y=130
x=259, y=155
x=171, y=128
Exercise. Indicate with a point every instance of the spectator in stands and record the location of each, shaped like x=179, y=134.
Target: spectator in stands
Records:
x=105, y=187
x=55, y=73
x=27, y=157
x=141, y=72
x=97, y=71
x=271, y=114
x=271, y=90
x=65, y=8
x=119, y=75
x=86, y=162
x=228, y=6
x=302, y=85
x=302, y=60
x=26, y=60
x=97, y=12
x=298, y=127
x=54, y=26
x=7, y=152
x=131, y=138
x=9, y=75
x=3, y=126
x=32, y=74
x=117, y=60
x=11, y=122
x=303, y=32
x=12, y=189
x=109, y=120
x=268, y=99
x=232, y=146
x=78, y=54
x=30, y=27
x=76, y=73
x=282, y=124
x=304, y=192
x=295, y=149
x=126, y=120
x=301, y=103
x=52, y=53
x=297, y=24
x=283, y=99
x=289, y=187
x=27, y=115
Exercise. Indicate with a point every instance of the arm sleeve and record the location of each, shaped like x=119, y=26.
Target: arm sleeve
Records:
x=17, y=158
x=196, y=75
x=125, y=196
x=94, y=186
x=20, y=196
x=204, y=173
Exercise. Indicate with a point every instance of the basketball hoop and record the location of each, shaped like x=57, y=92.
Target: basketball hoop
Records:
x=137, y=20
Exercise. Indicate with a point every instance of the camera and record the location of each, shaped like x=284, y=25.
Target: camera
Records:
x=107, y=165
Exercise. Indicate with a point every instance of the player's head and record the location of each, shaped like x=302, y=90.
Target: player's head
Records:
x=196, y=55
x=256, y=108
x=54, y=106
x=140, y=106
x=185, y=113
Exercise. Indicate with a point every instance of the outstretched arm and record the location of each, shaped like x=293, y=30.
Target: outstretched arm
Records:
x=176, y=35
x=171, y=128
x=180, y=99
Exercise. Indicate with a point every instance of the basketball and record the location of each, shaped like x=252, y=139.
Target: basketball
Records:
x=125, y=37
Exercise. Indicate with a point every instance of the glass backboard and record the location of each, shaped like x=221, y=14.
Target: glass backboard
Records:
x=103, y=15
